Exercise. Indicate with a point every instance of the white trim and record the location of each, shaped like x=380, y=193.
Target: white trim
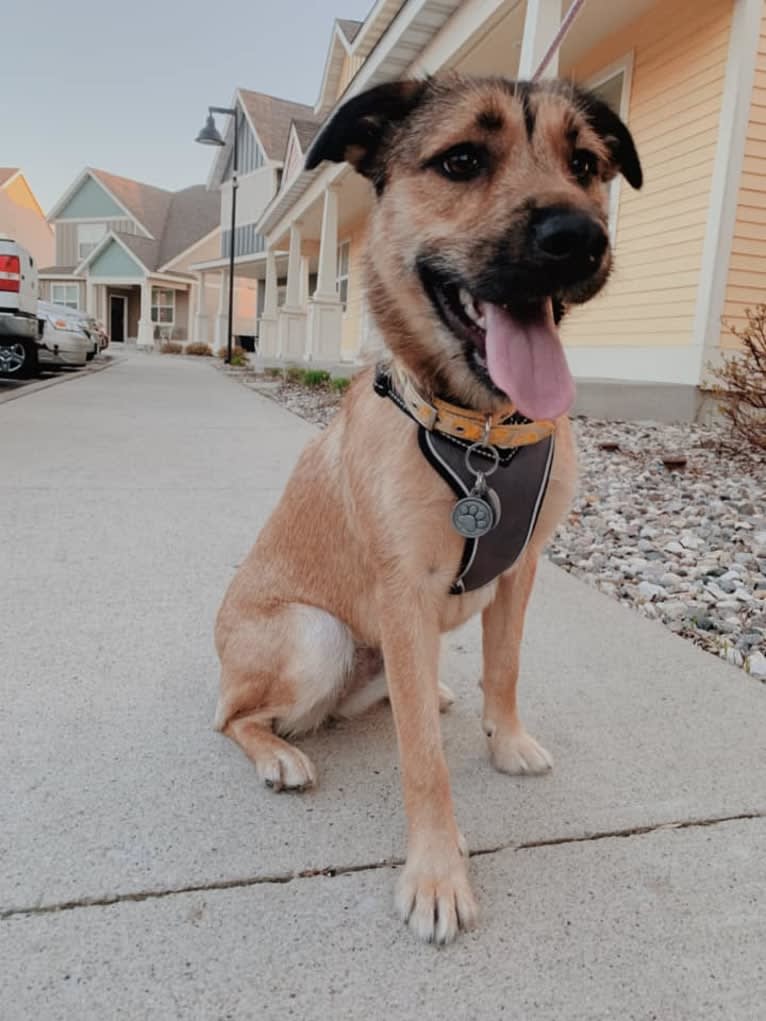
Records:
x=72, y=191
x=155, y=304
x=67, y=283
x=125, y=310
x=624, y=66
x=59, y=276
x=727, y=170
x=330, y=60
x=102, y=245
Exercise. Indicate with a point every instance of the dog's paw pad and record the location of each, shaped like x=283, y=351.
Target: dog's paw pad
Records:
x=287, y=769
x=519, y=754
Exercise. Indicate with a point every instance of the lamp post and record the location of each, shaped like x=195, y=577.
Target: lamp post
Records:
x=209, y=135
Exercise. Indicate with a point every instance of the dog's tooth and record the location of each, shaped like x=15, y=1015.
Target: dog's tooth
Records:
x=481, y=322
x=465, y=299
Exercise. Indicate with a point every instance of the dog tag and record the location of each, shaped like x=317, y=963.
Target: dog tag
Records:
x=477, y=513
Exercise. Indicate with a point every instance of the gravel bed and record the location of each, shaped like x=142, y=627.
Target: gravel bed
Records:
x=668, y=519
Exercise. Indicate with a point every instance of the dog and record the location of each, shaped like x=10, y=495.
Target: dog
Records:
x=489, y=220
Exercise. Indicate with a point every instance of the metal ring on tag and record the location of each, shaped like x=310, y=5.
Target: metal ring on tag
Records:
x=493, y=453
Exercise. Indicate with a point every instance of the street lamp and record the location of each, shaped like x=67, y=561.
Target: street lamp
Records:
x=209, y=135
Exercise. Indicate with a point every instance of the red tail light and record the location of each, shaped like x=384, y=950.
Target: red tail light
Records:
x=10, y=273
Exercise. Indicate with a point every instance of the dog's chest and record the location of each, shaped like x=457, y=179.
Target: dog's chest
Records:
x=519, y=482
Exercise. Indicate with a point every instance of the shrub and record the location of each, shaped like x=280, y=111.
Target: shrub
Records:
x=340, y=383
x=316, y=377
x=171, y=347
x=238, y=356
x=740, y=386
x=204, y=350
x=294, y=374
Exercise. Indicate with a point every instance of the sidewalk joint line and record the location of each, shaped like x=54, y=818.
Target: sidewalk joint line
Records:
x=332, y=872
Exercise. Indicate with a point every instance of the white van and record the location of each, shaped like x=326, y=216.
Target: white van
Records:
x=19, y=325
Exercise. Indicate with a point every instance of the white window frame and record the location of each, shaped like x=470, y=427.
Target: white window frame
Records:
x=341, y=275
x=623, y=66
x=157, y=305
x=89, y=245
x=69, y=302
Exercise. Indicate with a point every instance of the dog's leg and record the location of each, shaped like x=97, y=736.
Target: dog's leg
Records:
x=512, y=749
x=282, y=671
x=434, y=895
x=280, y=765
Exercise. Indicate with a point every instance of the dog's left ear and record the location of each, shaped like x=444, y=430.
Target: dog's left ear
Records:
x=357, y=132
x=618, y=139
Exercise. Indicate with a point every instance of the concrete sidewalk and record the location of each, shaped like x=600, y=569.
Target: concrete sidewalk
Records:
x=146, y=874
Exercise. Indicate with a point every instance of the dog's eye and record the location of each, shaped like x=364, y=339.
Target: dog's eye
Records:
x=462, y=163
x=584, y=165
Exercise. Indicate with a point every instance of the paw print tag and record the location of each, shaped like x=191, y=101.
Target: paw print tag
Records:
x=474, y=516
x=479, y=512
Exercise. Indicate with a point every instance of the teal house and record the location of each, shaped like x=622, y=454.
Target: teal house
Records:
x=125, y=251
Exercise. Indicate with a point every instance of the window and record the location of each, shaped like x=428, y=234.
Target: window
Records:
x=344, y=250
x=163, y=306
x=281, y=295
x=65, y=294
x=612, y=86
x=88, y=237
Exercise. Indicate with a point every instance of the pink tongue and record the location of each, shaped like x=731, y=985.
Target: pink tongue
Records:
x=526, y=361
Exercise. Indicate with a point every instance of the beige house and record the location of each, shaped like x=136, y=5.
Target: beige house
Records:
x=273, y=135
x=22, y=218
x=124, y=253
x=690, y=80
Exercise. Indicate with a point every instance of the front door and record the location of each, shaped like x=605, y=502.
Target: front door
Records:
x=117, y=315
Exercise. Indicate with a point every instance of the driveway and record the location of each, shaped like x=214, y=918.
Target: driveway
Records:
x=146, y=874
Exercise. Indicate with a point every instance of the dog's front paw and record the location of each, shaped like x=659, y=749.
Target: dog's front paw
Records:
x=434, y=895
x=518, y=753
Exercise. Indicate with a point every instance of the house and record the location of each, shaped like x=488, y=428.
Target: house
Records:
x=689, y=78
x=124, y=252
x=21, y=216
x=273, y=135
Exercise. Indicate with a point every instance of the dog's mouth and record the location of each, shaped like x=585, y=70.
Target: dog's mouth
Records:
x=514, y=347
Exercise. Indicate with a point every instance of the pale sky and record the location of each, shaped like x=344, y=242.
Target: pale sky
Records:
x=125, y=86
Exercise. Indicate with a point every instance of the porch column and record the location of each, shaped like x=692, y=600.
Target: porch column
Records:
x=327, y=277
x=267, y=330
x=540, y=26
x=292, y=316
x=91, y=303
x=222, y=317
x=293, y=296
x=200, y=318
x=325, y=318
x=145, y=326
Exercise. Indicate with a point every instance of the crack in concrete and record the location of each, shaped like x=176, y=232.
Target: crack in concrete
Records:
x=344, y=870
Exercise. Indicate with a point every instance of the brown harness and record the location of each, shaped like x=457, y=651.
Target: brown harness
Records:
x=465, y=448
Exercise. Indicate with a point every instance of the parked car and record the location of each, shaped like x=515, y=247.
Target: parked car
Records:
x=64, y=341
x=19, y=326
x=97, y=333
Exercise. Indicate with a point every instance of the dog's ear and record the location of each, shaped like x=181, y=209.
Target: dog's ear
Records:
x=618, y=139
x=358, y=131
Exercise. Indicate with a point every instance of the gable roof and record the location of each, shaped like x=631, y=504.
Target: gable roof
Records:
x=146, y=204
x=6, y=173
x=271, y=117
x=349, y=28
x=306, y=130
x=194, y=213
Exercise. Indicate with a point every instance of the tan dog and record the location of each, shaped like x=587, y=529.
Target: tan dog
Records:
x=490, y=218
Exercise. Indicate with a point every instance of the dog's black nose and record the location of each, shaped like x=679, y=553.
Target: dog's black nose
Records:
x=568, y=240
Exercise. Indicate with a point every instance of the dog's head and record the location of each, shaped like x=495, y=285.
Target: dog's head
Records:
x=491, y=218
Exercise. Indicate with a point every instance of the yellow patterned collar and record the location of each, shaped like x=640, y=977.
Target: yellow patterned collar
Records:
x=440, y=416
